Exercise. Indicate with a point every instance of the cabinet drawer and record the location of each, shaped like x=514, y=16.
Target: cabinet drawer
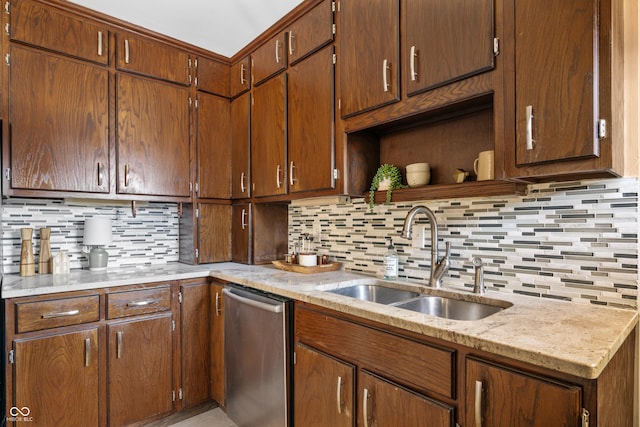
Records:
x=412, y=363
x=140, y=301
x=54, y=313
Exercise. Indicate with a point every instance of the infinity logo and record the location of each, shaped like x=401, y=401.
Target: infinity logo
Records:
x=15, y=411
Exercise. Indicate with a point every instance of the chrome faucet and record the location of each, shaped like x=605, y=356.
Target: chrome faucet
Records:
x=438, y=268
x=478, y=283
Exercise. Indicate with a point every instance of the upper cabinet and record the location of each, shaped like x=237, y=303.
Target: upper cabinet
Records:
x=212, y=76
x=269, y=59
x=51, y=28
x=50, y=146
x=444, y=41
x=240, y=147
x=369, y=58
x=151, y=58
x=152, y=136
x=214, y=147
x=310, y=32
x=239, y=76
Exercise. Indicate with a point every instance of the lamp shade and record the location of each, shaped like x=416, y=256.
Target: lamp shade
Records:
x=97, y=231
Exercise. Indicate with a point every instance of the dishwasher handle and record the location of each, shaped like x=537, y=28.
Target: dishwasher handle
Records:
x=254, y=303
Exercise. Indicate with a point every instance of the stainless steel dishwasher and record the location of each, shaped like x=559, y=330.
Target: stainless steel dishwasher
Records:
x=257, y=357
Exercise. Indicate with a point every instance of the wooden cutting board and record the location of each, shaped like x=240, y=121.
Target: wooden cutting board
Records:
x=297, y=268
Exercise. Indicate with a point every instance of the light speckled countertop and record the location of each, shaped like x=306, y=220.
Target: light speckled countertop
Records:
x=568, y=337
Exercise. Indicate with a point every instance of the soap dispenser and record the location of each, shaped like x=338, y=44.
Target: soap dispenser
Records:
x=391, y=261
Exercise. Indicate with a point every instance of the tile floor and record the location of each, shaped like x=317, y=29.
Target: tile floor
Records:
x=212, y=418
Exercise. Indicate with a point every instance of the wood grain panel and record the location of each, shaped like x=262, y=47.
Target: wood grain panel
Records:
x=54, y=313
x=214, y=146
x=137, y=302
x=214, y=232
x=240, y=147
x=310, y=32
x=240, y=76
x=216, y=342
x=268, y=59
x=213, y=77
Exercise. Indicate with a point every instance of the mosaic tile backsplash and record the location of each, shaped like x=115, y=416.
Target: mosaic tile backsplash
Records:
x=574, y=241
x=149, y=238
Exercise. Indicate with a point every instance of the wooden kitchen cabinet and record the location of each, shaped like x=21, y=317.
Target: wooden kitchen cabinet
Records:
x=323, y=389
x=214, y=232
x=311, y=142
x=444, y=41
x=241, y=235
x=195, y=334
x=310, y=32
x=51, y=147
x=212, y=76
x=268, y=138
x=369, y=57
x=214, y=147
x=142, y=55
x=152, y=136
x=268, y=59
x=240, y=76
x=259, y=232
x=497, y=396
x=49, y=27
x=57, y=378
x=240, y=147
x=216, y=343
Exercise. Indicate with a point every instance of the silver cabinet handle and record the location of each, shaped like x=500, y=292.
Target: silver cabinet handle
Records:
x=277, y=51
x=385, y=72
x=60, y=314
x=243, y=79
x=87, y=352
x=218, y=304
x=478, y=404
x=243, y=188
x=339, y=395
x=126, y=51
x=291, y=49
x=278, y=182
x=291, y=168
x=100, y=167
x=99, y=43
x=141, y=303
x=126, y=175
x=118, y=345
x=412, y=63
x=365, y=407
x=243, y=222
x=529, y=114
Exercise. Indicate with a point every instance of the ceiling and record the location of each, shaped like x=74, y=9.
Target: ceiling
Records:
x=221, y=26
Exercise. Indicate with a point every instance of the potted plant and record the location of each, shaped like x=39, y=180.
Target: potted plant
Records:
x=389, y=178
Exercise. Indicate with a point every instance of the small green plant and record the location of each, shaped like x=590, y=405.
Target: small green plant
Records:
x=385, y=171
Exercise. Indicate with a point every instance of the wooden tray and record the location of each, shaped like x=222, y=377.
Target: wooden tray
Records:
x=297, y=268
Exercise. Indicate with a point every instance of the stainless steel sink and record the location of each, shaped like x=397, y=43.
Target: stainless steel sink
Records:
x=450, y=308
x=376, y=293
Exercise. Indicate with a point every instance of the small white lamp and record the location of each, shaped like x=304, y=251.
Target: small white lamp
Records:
x=97, y=233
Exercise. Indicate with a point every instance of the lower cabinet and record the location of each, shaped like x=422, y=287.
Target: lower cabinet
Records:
x=216, y=344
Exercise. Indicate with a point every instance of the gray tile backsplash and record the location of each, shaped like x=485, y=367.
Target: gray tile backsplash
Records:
x=573, y=240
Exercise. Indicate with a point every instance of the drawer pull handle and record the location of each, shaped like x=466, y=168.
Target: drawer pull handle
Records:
x=529, y=114
x=60, y=314
x=126, y=175
x=126, y=51
x=385, y=75
x=243, y=79
x=412, y=63
x=365, y=408
x=218, y=309
x=339, y=395
x=118, y=345
x=99, y=43
x=277, y=51
x=87, y=352
x=141, y=303
x=100, y=174
x=478, y=404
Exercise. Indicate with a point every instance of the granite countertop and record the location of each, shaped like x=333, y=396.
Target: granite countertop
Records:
x=576, y=339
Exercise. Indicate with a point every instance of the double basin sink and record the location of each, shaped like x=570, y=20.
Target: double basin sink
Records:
x=435, y=302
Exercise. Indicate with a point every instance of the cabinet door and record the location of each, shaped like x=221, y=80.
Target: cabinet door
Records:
x=216, y=341
x=240, y=75
x=152, y=136
x=50, y=28
x=503, y=397
x=194, y=333
x=59, y=119
x=214, y=147
x=268, y=59
x=556, y=80
x=240, y=147
x=391, y=405
x=151, y=58
x=323, y=390
x=268, y=138
x=445, y=41
x=139, y=369
x=214, y=233
x=45, y=366
x=311, y=123
x=212, y=76
x=369, y=57
x=241, y=233
x=310, y=32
